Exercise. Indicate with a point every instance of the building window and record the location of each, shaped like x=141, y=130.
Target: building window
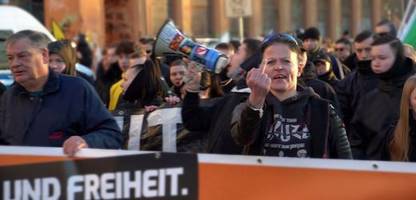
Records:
x=269, y=16
x=322, y=16
x=200, y=18
x=346, y=16
x=117, y=26
x=393, y=10
x=297, y=14
x=159, y=14
x=366, y=15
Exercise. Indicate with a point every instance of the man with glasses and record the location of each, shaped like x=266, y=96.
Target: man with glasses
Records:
x=281, y=118
x=343, y=49
x=47, y=109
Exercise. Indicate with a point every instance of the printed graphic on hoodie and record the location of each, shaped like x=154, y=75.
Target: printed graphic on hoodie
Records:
x=287, y=137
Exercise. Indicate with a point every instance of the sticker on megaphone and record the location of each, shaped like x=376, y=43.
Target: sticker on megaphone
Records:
x=171, y=41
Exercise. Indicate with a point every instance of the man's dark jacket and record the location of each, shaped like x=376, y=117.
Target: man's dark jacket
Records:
x=67, y=106
x=351, y=89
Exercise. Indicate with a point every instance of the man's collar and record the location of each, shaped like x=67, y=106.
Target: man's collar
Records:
x=51, y=85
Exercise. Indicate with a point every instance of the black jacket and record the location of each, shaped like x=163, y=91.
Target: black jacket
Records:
x=329, y=78
x=351, y=62
x=105, y=79
x=353, y=87
x=377, y=110
x=340, y=70
x=3, y=88
x=328, y=137
x=67, y=106
x=215, y=120
x=323, y=89
x=84, y=76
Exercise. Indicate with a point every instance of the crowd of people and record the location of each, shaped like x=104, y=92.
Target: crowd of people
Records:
x=286, y=95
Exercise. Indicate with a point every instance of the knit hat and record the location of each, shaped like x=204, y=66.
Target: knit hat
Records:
x=311, y=33
x=321, y=56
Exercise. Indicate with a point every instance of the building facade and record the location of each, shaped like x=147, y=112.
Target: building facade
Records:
x=108, y=21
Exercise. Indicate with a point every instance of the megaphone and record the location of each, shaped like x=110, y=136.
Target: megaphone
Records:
x=170, y=41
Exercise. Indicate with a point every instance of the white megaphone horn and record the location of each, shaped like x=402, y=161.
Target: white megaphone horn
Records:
x=170, y=41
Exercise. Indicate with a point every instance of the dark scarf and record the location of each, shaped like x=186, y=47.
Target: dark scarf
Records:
x=397, y=75
x=364, y=67
x=328, y=77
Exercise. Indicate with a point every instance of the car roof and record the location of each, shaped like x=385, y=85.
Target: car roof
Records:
x=16, y=19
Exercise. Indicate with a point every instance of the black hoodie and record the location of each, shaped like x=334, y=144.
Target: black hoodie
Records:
x=351, y=89
x=301, y=126
x=105, y=79
x=323, y=89
x=377, y=110
x=330, y=78
x=351, y=62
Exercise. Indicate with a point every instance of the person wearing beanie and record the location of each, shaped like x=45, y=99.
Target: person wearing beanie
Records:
x=324, y=69
x=379, y=108
x=311, y=42
x=311, y=39
x=309, y=78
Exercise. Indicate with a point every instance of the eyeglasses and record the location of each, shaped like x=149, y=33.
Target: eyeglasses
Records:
x=339, y=49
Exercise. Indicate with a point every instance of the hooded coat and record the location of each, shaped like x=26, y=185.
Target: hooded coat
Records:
x=323, y=89
x=305, y=122
x=351, y=89
x=377, y=110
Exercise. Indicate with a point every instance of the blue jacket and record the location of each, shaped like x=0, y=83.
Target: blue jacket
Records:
x=67, y=106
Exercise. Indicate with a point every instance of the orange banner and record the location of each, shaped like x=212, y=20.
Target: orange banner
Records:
x=247, y=177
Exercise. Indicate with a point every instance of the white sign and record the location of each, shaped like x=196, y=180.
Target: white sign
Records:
x=238, y=8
